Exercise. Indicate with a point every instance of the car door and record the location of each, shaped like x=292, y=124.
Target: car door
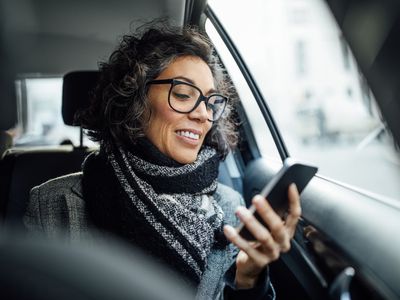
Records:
x=302, y=94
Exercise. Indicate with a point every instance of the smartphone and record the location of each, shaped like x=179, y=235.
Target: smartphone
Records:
x=276, y=190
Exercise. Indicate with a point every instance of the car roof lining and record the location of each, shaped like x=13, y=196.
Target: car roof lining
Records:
x=44, y=36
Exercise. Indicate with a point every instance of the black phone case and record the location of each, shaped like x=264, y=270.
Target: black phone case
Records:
x=276, y=191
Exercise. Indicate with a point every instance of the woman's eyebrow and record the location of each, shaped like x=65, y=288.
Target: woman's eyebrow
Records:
x=185, y=79
x=210, y=91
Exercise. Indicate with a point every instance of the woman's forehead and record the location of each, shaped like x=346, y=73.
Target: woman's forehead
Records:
x=192, y=68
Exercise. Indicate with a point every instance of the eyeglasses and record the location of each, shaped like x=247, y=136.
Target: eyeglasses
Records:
x=184, y=98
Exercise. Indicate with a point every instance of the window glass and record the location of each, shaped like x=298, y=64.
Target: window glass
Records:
x=318, y=97
x=39, y=114
x=263, y=137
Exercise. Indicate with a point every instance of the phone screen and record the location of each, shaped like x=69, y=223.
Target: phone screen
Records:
x=276, y=190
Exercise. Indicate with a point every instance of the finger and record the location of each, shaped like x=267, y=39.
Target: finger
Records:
x=232, y=235
x=259, y=258
x=272, y=220
x=294, y=208
x=259, y=231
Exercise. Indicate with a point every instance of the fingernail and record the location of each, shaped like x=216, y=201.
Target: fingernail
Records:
x=229, y=231
x=257, y=199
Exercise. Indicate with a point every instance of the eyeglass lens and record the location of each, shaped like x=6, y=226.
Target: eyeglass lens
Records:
x=184, y=97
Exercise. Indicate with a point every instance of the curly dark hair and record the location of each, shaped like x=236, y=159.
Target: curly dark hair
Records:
x=117, y=112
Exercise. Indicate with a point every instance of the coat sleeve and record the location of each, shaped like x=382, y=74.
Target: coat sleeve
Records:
x=262, y=290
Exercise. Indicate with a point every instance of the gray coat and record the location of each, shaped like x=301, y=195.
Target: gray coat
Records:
x=57, y=209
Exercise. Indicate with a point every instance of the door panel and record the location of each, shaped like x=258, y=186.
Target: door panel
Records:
x=340, y=228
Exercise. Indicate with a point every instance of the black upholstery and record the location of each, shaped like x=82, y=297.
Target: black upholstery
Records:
x=33, y=268
x=77, y=87
x=22, y=169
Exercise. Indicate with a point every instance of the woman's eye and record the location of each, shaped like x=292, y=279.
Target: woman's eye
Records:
x=181, y=96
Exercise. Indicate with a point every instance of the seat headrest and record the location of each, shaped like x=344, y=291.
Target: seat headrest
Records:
x=77, y=87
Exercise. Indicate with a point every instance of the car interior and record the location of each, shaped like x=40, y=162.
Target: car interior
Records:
x=18, y=164
x=346, y=244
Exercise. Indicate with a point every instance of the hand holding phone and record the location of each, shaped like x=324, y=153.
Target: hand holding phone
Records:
x=276, y=190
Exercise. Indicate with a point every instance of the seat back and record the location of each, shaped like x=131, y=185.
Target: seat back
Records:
x=22, y=169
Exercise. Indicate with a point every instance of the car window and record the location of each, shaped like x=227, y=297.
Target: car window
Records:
x=254, y=117
x=322, y=104
x=39, y=113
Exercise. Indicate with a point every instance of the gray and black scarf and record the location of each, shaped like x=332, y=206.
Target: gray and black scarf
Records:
x=159, y=205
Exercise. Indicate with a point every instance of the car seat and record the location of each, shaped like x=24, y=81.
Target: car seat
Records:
x=22, y=169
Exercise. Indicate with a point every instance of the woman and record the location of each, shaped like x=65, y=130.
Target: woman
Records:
x=162, y=117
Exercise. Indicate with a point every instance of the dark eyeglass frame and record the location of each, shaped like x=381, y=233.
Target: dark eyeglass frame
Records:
x=201, y=98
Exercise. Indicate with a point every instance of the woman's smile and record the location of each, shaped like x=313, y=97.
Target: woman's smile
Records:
x=189, y=136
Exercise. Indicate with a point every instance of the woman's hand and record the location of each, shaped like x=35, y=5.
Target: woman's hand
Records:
x=254, y=256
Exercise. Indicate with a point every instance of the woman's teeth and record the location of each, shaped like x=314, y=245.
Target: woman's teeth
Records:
x=188, y=134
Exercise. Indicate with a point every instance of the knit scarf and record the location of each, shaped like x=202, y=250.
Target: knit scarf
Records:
x=159, y=205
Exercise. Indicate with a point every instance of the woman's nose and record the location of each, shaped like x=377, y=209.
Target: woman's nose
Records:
x=200, y=113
